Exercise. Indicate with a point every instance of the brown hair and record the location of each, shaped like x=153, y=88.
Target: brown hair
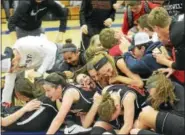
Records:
x=107, y=38
x=164, y=89
x=143, y=23
x=56, y=78
x=132, y=2
x=159, y=17
x=106, y=108
x=68, y=41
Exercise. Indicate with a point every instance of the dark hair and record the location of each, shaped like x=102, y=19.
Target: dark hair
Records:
x=133, y=2
x=140, y=46
x=24, y=86
x=56, y=79
x=146, y=45
x=68, y=41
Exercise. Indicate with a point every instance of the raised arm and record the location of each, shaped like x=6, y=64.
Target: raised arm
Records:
x=67, y=101
x=134, y=78
x=8, y=88
x=129, y=111
x=89, y=118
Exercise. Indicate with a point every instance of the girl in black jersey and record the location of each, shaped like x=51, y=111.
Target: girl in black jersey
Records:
x=18, y=113
x=36, y=115
x=74, y=58
x=119, y=100
x=166, y=113
x=74, y=100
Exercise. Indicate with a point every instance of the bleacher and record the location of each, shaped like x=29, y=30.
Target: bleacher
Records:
x=73, y=11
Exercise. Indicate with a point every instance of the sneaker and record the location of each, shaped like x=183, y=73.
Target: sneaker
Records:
x=75, y=129
x=107, y=133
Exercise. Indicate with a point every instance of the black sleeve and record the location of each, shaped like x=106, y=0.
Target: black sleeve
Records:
x=179, y=63
x=64, y=67
x=147, y=132
x=20, y=11
x=113, y=11
x=60, y=12
x=177, y=30
x=83, y=12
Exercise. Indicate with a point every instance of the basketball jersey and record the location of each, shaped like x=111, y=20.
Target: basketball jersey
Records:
x=123, y=90
x=85, y=101
x=37, y=120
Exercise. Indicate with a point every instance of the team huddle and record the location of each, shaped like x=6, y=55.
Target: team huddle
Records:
x=118, y=82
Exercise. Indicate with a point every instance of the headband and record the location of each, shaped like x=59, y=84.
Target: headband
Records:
x=71, y=49
x=100, y=63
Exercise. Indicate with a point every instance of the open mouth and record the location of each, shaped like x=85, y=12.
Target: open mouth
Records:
x=91, y=84
x=73, y=63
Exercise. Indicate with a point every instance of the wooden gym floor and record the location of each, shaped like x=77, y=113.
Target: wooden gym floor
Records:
x=51, y=28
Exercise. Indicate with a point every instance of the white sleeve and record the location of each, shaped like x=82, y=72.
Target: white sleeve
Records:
x=46, y=64
x=8, y=88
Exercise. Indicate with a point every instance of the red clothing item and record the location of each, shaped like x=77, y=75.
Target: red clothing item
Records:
x=125, y=26
x=115, y=51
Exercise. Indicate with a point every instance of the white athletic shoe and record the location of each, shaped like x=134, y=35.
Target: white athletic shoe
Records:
x=74, y=129
x=107, y=133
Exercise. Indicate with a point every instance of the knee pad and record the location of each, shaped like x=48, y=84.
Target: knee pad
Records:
x=97, y=131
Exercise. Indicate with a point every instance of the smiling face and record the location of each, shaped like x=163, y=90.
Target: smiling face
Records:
x=139, y=52
x=15, y=61
x=52, y=91
x=162, y=33
x=85, y=81
x=106, y=70
x=71, y=58
x=136, y=8
x=94, y=74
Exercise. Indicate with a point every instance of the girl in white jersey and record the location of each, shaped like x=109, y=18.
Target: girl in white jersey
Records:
x=31, y=52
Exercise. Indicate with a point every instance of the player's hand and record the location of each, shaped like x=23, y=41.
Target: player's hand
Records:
x=108, y=22
x=84, y=29
x=168, y=71
x=97, y=98
x=59, y=37
x=31, y=75
x=32, y=105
